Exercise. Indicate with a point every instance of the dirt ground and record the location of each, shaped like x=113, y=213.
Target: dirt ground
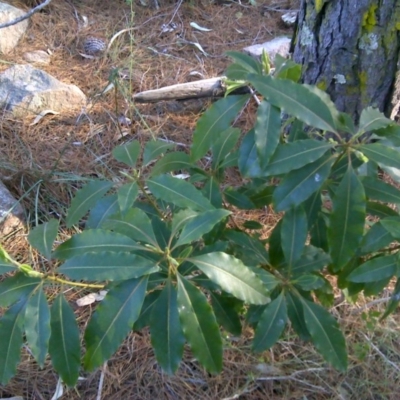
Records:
x=38, y=163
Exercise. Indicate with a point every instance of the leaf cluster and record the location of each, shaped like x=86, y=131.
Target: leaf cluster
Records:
x=169, y=257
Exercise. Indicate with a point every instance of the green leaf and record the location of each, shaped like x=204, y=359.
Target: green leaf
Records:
x=166, y=332
x=312, y=207
x=346, y=123
x=325, y=334
x=252, y=247
x=107, y=265
x=376, y=269
x=300, y=101
x=270, y=281
x=232, y=276
x=381, y=154
x=296, y=315
x=253, y=315
x=248, y=162
x=288, y=69
x=43, y=236
x=246, y=61
x=380, y=210
x=155, y=148
x=309, y=282
x=272, y=323
x=231, y=160
x=95, y=240
x=145, y=313
x=294, y=234
x=6, y=264
x=324, y=294
x=11, y=325
x=37, y=325
x=291, y=156
x=16, y=287
x=375, y=288
x=225, y=311
x=347, y=219
x=342, y=163
x=181, y=219
x=319, y=234
x=127, y=194
x=212, y=192
x=252, y=225
x=64, y=344
x=172, y=162
x=226, y=142
x=237, y=199
x=312, y=259
x=391, y=133
x=263, y=197
x=392, y=225
x=376, y=189
x=297, y=131
x=101, y=211
x=178, y=192
x=297, y=186
x=113, y=320
x=275, y=247
x=375, y=239
x=267, y=131
x=85, y=199
x=237, y=73
x=372, y=119
x=127, y=153
x=134, y=224
x=199, y=326
x=215, y=120
x=201, y=224
x=162, y=232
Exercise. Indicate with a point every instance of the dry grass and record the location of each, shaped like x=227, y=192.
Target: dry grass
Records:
x=43, y=163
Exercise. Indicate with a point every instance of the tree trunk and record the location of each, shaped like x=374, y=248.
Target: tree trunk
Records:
x=350, y=48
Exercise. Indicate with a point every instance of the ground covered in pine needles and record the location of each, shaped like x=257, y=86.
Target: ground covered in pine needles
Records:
x=42, y=165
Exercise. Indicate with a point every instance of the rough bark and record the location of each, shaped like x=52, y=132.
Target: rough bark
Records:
x=350, y=49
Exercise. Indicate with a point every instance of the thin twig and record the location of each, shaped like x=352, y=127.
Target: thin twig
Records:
x=391, y=363
x=175, y=11
x=25, y=16
x=101, y=381
x=135, y=28
x=370, y=304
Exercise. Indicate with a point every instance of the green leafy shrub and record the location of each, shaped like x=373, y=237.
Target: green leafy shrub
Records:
x=170, y=259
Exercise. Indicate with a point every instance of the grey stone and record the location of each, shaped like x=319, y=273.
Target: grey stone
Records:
x=37, y=57
x=12, y=216
x=289, y=18
x=279, y=45
x=25, y=90
x=10, y=36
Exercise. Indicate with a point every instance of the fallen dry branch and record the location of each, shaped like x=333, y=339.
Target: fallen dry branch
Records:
x=25, y=16
x=212, y=87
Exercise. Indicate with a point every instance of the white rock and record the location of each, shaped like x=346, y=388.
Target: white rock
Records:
x=37, y=57
x=279, y=45
x=25, y=90
x=12, y=215
x=289, y=18
x=10, y=36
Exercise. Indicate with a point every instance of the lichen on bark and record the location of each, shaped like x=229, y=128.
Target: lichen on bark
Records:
x=350, y=49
